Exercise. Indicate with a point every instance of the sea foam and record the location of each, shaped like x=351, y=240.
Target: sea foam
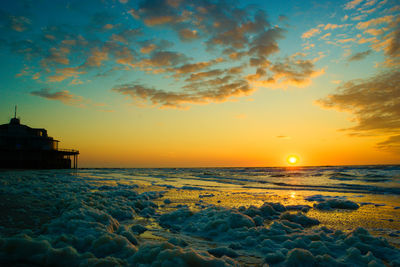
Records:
x=76, y=219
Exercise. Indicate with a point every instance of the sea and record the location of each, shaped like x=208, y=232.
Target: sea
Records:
x=272, y=216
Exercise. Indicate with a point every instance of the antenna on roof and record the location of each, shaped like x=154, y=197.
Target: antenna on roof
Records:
x=15, y=112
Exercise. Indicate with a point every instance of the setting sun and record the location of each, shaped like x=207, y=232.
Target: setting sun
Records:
x=293, y=160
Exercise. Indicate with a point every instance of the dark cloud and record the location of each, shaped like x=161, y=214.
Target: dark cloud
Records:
x=64, y=96
x=374, y=102
x=162, y=98
x=226, y=25
x=192, y=67
x=266, y=44
x=237, y=34
x=391, y=144
x=293, y=70
x=204, y=75
x=158, y=12
x=389, y=40
x=360, y=55
x=393, y=48
x=235, y=70
x=166, y=59
x=108, y=37
x=283, y=18
x=126, y=36
x=188, y=34
x=11, y=22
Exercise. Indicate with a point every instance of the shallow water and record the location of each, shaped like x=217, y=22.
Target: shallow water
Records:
x=375, y=188
x=95, y=213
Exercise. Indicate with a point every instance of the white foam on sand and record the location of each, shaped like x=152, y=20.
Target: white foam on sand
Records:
x=74, y=220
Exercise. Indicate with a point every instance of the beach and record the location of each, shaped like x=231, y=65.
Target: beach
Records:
x=297, y=216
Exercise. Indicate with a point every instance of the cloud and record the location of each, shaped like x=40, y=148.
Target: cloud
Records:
x=123, y=55
x=240, y=36
x=165, y=59
x=126, y=36
x=374, y=103
x=326, y=36
x=390, y=44
x=375, y=32
x=157, y=12
x=292, y=71
x=330, y=26
x=368, y=40
x=393, y=48
x=310, y=33
x=108, y=26
x=20, y=23
x=239, y=33
x=188, y=34
x=283, y=137
x=372, y=10
x=194, y=67
x=63, y=96
x=14, y=23
x=283, y=18
x=352, y=4
x=96, y=57
x=232, y=31
x=391, y=144
x=204, y=75
x=265, y=43
x=369, y=3
x=359, y=17
x=163, y=99
x=65, y=73
x=295, y=72
x=336, y=81
x=347, y=40
x=225, y=25
x=374, y=22
x=146, y=49
x=360, y=55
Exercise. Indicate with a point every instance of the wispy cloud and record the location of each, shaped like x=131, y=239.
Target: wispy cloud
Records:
x=352, y=4
x=375, y=21
x=285, y=137
x=65, y=73
x=360, y=55
x=374, y=102
x=310, y=33
x=63, y=96
x=391, y=144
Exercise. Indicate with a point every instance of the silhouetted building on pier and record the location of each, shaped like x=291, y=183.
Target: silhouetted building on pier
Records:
x=23, y=147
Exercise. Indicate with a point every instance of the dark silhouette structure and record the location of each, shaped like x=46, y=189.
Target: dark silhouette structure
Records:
x=23, y=147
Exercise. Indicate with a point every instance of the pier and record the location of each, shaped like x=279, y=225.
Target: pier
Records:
x=23, y=147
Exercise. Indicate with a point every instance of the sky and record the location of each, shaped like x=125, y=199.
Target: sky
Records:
x=173, y=83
